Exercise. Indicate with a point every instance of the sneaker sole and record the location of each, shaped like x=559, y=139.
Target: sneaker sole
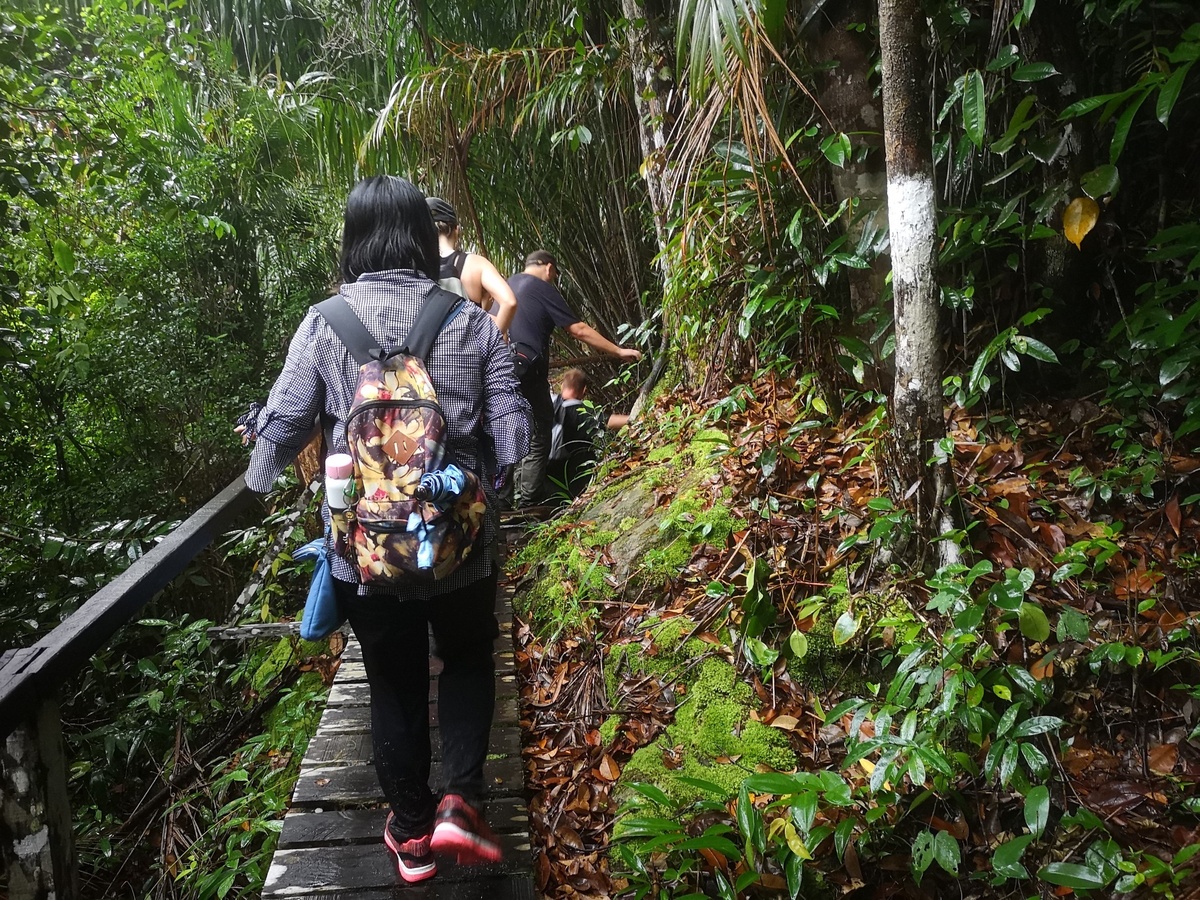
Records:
x=410, y=874
x=468, y=848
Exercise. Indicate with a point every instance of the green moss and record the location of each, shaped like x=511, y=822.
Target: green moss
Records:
x=658, y=454
x=570, y=580
x=713, y=723
x=598, y=538
x=608, y=730
x=826, y=665
x=669, y=652
x=272, y=667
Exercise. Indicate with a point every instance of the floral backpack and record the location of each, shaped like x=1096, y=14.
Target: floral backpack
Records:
x=415, y=513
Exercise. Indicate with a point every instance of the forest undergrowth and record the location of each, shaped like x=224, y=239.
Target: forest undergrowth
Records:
x=1024, y=724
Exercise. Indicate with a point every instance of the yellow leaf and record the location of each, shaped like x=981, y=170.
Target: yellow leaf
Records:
x=1079, y=218
x=787, y=723
x=794, y=842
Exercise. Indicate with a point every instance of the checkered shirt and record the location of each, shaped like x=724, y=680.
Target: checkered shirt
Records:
x=471, y=369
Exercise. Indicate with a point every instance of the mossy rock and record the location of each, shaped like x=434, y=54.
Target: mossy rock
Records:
x=713, y=739
x=571, y=578
x=671, y=650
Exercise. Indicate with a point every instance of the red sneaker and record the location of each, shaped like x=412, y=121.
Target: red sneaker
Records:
x=460, y=831
x=413, y=858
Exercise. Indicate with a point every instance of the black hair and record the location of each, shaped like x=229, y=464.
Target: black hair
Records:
x=388, y=226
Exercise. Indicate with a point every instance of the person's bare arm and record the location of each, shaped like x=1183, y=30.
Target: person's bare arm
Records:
x=584, y=332
x=617, y=420
x=494, y=284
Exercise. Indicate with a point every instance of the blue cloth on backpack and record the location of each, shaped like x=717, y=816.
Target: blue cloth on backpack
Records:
x=322, y=617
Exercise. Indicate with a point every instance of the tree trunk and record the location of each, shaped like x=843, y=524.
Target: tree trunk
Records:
x=917, y=417
x=656, y=102
x=847, y=97
x=650, y=57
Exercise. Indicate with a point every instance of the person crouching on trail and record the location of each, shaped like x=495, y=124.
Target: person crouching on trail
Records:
x=389, y=265
x=481, y=283
x=576, y=435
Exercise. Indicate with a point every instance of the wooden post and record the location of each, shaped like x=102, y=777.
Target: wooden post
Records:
x=35, y=825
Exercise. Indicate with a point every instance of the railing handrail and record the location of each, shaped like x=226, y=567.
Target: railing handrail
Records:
x=29, y=674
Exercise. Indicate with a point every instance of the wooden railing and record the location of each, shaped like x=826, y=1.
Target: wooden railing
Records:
x=35, y=822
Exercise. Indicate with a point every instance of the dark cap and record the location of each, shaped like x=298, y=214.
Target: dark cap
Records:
x=441, y=210
x=541, y=258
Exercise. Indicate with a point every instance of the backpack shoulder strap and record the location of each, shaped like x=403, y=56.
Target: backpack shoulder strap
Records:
x=348, y=327
x=438, y=308
x=459, y=261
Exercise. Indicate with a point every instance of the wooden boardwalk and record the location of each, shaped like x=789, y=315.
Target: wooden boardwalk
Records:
x=331, y=846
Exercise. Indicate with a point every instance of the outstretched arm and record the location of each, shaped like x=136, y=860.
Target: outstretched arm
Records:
x=584, y=332
x=493, y=283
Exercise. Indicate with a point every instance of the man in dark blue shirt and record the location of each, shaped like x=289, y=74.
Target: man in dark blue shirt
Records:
x=541, y=308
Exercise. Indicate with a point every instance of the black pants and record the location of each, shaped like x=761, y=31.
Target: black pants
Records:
x=530, y=473
x=395, y=644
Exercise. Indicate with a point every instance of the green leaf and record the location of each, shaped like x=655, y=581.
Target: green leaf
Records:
x=1037, y=809
x=974, y=107
x=1033, y=622
x=1005, y=58
x=760, y=654
x=1034, y=72
x=1073, y=625
x=837, y=149
x=782, y=784
x=1038, y=350
x=946, y=852
x=798, y=643
x=1100, y=181
x=1037, y=725
x=1174, y=367
x=1169, y=92
x=845, y=628
x=922, y=854
x=64, y=257
x=1121, y=129
x=1006, y=861
x=842, y=836
x=1085, y=878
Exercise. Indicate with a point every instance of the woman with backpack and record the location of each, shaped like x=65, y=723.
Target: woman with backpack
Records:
x=389, y=264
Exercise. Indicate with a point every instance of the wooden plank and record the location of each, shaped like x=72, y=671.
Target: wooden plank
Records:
x=331, y=828
x=358, y=718
x=317, y=871
x=65, y=649
x=356, y=785
x=353, y=669
x=358, y=693
x=355, y=746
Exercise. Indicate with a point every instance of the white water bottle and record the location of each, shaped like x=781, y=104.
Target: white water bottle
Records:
x=339, y=480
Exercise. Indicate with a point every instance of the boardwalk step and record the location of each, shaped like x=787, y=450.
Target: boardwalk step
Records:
x=365, y=826
x=358, y=718
x=357, y=693
x=317, y=871
x=347, y=747
x=356, y=785
x=506, y=664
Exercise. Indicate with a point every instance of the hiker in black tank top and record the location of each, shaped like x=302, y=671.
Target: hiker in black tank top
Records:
x=469, y=274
